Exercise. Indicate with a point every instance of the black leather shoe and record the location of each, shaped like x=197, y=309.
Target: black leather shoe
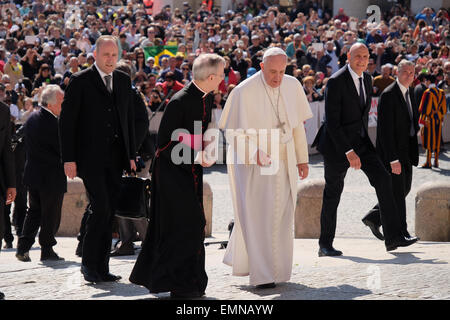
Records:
x=330, y=252
x=186, y=295
x=408, y=236
x=50, y=255
x=374, y=228
x=266, y=286
x=90, y=275
x=109, y=277
x=2, y=296
x=400, y=242
x=24, y=257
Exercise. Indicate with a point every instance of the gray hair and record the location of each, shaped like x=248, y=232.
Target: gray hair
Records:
x=405, y=63
x=274, y=51
x=49, y=94
x=205, y=65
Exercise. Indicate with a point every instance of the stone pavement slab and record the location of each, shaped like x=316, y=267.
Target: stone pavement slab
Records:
x=365, y=271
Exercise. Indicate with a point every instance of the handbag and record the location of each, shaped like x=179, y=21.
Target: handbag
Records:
x=134, y=198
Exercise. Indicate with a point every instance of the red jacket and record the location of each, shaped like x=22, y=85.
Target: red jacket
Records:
x=223, y=87
x=177, y=86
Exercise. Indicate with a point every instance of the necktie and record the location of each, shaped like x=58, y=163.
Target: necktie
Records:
x=108, y=83
x=362, y=100
x=408, y=104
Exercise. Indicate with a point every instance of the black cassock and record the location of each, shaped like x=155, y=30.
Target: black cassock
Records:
x=173, y=254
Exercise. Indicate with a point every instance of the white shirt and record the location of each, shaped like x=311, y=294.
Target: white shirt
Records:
x=355, y=78
x=103, y=75
x=403, y=89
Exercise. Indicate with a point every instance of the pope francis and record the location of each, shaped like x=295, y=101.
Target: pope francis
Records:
x=263, y=122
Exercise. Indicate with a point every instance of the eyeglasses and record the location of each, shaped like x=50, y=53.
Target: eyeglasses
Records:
x=185, y=69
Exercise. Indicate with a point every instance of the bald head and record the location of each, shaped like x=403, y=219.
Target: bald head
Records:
x=357, y=46
x=105, y=40
x=358, y=57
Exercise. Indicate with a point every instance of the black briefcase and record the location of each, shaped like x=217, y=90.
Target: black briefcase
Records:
x=134, y=198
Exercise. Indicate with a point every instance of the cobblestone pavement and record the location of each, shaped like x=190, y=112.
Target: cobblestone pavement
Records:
x=365, y=271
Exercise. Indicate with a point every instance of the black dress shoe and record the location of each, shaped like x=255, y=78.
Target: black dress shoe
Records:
x=2, y=296
x=266, y=286
x=186, y=295
x=24, y=257
x=374, y=228
x=400, y=242
x=50, y=255
x=109, y=277
x=330, y=252
x=90, y=275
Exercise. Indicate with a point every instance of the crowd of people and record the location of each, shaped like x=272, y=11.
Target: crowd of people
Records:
x=46, y=42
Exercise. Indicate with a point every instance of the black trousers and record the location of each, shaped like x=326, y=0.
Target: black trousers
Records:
x=379, y=178
x=401, y=184
x=2, y=220
x=44, y=213
x=20, y=203
x=102, y=187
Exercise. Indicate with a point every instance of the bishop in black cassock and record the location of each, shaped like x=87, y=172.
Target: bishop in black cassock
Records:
x=173, y=255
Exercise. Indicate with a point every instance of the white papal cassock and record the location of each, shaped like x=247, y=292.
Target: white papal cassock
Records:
x=261, y=243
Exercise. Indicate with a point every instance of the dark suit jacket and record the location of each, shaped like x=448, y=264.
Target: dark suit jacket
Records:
x=83, y=129
x=141, y=121
x=344, y=118
x=418, y=93
x=7, y=173
x=393, y=127
x=44, y=169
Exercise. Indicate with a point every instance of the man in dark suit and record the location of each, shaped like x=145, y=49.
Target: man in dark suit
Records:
x=44, y=176
x=397, y=145
x=424, y=79
x=344, y=142
x=97, y=143
x=7, y=175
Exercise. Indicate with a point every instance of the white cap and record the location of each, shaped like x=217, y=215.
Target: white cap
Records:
x=274, y=51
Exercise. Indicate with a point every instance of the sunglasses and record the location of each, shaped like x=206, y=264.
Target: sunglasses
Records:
x=186, y=69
